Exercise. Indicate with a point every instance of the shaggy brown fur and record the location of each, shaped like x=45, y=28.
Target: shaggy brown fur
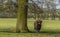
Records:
x=37, y=25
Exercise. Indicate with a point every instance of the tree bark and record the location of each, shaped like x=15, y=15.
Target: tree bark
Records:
x=22, y=16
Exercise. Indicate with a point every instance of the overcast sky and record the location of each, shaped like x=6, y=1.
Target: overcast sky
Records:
x=14, y=0
x=56, y=1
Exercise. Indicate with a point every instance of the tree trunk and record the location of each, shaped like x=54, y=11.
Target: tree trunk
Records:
x=22, y=16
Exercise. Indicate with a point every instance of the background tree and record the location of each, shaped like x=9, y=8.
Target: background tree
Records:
x=8, y=9
x=35, y=10
x=51, y=6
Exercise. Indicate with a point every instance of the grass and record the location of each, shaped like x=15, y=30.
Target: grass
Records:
x=8, y=23
x=27, y=35
x=47, y=26
x=50, y=28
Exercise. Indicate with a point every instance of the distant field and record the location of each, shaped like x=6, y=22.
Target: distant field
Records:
x=7, y=23
x=47, y=26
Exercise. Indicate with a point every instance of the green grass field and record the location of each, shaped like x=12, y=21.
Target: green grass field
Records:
x=50, y=28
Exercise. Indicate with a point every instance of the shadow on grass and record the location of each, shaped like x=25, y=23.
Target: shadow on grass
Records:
x=42, y=32
x=50, y=32
x=8, y=30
